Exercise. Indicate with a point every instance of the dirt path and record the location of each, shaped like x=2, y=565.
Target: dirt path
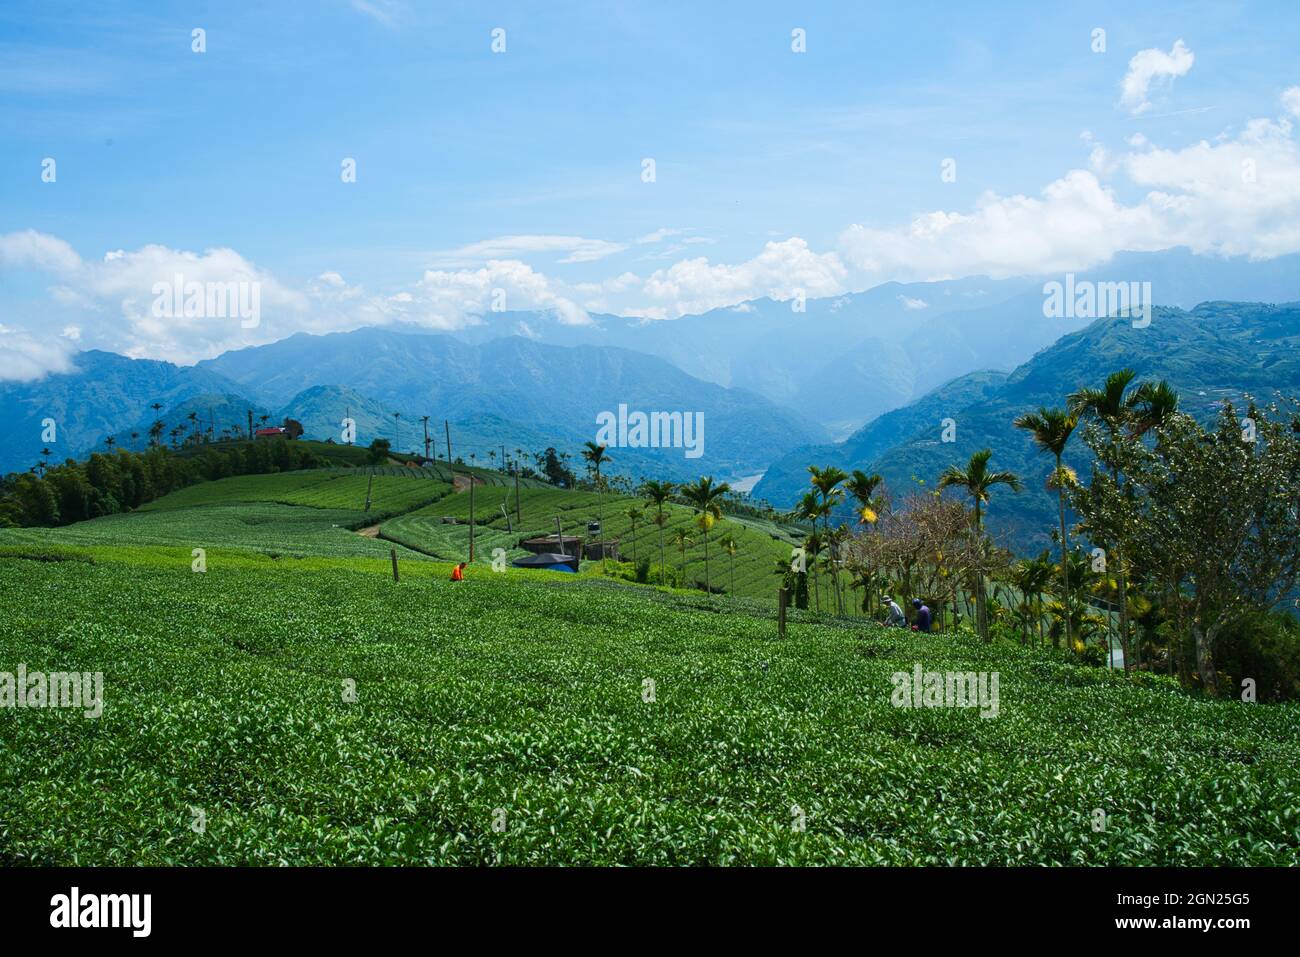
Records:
x=461, y=482
x=370, y=531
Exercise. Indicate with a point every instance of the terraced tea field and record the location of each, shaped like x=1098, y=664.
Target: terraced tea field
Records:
x=325, y=488
x=759, y=545
x=261, y=527
x=337, y=717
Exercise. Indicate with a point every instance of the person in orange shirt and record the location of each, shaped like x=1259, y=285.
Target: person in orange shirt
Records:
x=458, y=573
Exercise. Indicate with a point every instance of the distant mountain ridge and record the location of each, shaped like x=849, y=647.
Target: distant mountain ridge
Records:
x=846, y=359
x=106, y=394
x=1216, y=351
x=507, y=391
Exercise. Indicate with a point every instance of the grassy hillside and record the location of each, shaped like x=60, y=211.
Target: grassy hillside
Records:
x=267, y=528
x=760, y=544
x=520, y=700
x=316, y=488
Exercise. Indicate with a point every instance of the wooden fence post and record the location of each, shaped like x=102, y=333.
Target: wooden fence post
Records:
x=393, y=553
x=782, y=599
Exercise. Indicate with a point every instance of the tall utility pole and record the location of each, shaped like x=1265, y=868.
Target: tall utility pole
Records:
x=517, y=516
x=250, y=425
x=425, y=420
x=471, y=518
x=397, y=432
x=503, y=457
x=447, y=426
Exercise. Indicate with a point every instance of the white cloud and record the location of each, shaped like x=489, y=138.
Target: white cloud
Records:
x=382, y=11
x=453, y=299
x=24, y=358
x=780, y=271
x=911, y=303
x=658, y=236
x=1291, y=100
x=579, y=250
x=1152, y=66
x=1238, y=195
x=32, y=250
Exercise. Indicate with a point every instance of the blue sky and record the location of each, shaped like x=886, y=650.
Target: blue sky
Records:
x=775, y=170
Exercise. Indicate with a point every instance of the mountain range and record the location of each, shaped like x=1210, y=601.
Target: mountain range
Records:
x=1216, y=351
x=860, y=380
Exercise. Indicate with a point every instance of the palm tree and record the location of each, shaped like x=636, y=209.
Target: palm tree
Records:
x=862, y=488
x=977, y=481
x=682, y=538
x=110, y=442
x=827, y=482
x=1153, y=404
x=812, y=547
x=156, y=431
x=596, y=456
x=729, y=545
x=1051, y=430
x=657, y=493
x=812, y=508
x=634, y=515
x=707, y=500
x=704, y=522
x=135, y=437
x=1115, y=409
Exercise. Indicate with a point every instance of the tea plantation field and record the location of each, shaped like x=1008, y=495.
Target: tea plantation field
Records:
x=518, y=718
x=759, y=545
x=324, y=488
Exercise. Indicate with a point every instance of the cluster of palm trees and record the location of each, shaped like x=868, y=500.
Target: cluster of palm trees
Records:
x=830, y=487
x=704, y=496
x=1117, y=407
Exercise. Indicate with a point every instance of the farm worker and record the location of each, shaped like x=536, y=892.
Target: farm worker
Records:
x=922, y=615
x=458, y=573
x=896, y=618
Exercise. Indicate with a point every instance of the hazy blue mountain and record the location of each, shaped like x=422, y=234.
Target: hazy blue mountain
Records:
x=786, y=479
x=215, y=415
x=106, y=394
x=849, y=358
x=1217, y=350
x=528, y=383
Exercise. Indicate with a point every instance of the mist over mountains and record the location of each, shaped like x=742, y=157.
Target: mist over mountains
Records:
x=856, y=380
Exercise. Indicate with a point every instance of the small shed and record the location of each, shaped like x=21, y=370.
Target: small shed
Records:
x=598, y=550
x=546, y=544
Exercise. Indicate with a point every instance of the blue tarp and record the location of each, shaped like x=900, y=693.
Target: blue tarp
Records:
x=549, y=561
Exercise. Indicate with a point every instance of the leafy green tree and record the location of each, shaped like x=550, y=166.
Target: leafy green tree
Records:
x=379, y=450
x=1213, y=515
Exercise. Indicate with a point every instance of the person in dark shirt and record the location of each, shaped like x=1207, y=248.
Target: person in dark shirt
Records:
x=922, y=615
